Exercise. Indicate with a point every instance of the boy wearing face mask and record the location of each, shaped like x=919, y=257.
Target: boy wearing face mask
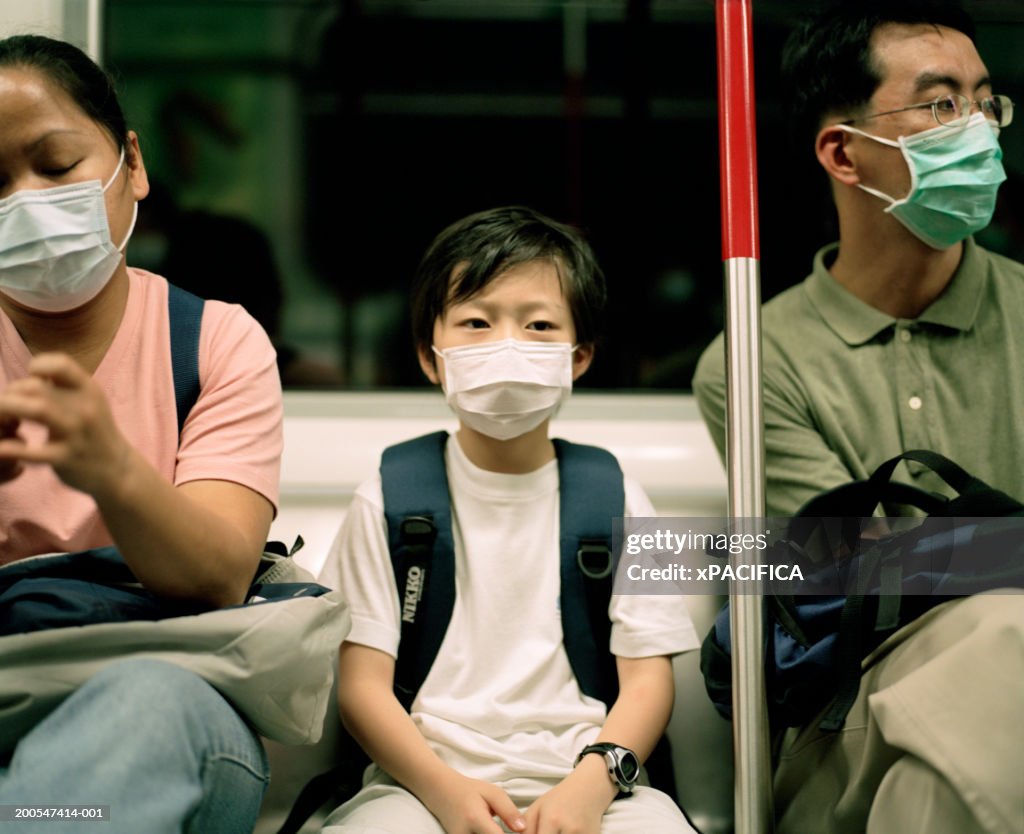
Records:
x=504, y=310
x=906, y=335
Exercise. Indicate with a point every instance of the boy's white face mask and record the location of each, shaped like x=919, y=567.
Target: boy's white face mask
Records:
x=505, y=389
x=55, y=248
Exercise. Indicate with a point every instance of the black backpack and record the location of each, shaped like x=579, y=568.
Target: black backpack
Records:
x=814, y=644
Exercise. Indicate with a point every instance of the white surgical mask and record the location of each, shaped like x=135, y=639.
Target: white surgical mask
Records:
x=955, y=172
x=505, y=389
x=55, y=248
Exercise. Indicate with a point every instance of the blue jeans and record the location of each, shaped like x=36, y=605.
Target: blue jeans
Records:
x=153, y=741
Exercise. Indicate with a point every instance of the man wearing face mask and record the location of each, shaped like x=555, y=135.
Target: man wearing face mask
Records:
x=504, y=311
x=906, y=335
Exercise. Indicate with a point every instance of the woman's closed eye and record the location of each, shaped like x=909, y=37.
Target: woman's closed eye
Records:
x=58, y=168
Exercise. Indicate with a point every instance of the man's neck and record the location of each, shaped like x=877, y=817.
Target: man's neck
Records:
x=893, y=271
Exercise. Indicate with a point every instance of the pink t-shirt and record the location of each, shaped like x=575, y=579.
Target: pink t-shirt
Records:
x=233, y=432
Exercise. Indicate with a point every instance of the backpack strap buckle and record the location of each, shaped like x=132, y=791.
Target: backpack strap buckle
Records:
x=417, y=531
x=594, y=559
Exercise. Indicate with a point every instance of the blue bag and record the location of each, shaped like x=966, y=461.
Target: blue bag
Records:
x=814, y=644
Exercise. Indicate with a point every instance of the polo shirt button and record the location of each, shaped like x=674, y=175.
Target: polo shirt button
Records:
x=915, y=403
x=905, y=336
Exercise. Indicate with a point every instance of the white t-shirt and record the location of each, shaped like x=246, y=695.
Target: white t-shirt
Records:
x=500, y=701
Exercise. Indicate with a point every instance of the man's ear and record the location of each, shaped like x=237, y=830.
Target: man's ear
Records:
x=428, y=364
x=581, y=359
x=835, y=154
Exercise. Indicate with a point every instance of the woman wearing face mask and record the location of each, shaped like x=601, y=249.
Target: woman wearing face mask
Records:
x=91, y=455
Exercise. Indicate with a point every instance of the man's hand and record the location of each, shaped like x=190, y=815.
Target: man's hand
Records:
x=469, y=806
x=576, y=804
x=83, y=444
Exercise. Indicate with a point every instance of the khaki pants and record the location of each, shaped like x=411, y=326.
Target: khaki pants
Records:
x=934, y=742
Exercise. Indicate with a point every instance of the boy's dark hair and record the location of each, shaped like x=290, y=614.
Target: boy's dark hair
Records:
x=472, y=252
x=74, y=72
x=827, y=64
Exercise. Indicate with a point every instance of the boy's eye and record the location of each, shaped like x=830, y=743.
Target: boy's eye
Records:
x=540, y=325
x=475, y=324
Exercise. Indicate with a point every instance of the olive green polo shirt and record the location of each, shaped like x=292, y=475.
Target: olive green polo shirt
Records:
x=847, y=386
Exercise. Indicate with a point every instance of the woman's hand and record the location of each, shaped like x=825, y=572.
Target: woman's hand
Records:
x=83, y=444
x=10, y=448
x=200, y=541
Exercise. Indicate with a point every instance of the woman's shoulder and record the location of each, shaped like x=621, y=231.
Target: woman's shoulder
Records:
x=150, y=291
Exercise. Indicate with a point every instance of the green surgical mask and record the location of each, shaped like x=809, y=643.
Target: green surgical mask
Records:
x=955, y=172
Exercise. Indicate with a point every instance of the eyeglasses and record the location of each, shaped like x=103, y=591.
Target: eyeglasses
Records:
x=955, y=110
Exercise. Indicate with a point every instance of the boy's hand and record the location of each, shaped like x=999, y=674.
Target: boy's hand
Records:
x=469, y=806
x=83, y=444
x=576, y=804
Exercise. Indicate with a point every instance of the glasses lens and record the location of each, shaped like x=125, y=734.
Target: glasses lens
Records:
x=999, y=109
x=951, y=109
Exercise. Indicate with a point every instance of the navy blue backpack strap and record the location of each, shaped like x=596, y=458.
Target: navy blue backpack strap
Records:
x=185, y=313
x=417, y=507
x=591, y=494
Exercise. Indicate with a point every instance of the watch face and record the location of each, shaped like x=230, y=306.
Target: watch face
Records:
x=629, y=766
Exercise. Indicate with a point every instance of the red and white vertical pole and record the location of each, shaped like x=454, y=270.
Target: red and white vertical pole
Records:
x=744, y=418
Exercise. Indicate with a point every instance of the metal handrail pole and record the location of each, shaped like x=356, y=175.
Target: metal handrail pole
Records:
x=94, y=30
x=744, y=417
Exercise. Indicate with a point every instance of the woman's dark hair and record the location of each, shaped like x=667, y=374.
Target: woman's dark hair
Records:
x=472, y=252
x=827, y=63
x=74, y=72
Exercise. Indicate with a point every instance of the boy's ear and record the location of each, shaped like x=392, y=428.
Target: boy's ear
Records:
x=581, y=359
x=428, y=364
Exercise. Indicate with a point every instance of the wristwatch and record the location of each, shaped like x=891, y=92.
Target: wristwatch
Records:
x=623, y=765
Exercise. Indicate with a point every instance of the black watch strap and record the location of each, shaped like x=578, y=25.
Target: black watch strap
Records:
x=622, y=764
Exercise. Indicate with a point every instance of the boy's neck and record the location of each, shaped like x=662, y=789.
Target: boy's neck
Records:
x=517, y=456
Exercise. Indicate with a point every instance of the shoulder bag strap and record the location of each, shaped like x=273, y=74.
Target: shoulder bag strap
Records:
x=185, y=313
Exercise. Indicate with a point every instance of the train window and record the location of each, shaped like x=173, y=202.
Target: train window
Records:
x=304, y=152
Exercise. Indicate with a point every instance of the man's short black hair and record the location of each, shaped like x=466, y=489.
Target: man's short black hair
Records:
x=827, y=65
x=472, y=252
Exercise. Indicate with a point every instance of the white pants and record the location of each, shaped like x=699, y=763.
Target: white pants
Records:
x=384, y=807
